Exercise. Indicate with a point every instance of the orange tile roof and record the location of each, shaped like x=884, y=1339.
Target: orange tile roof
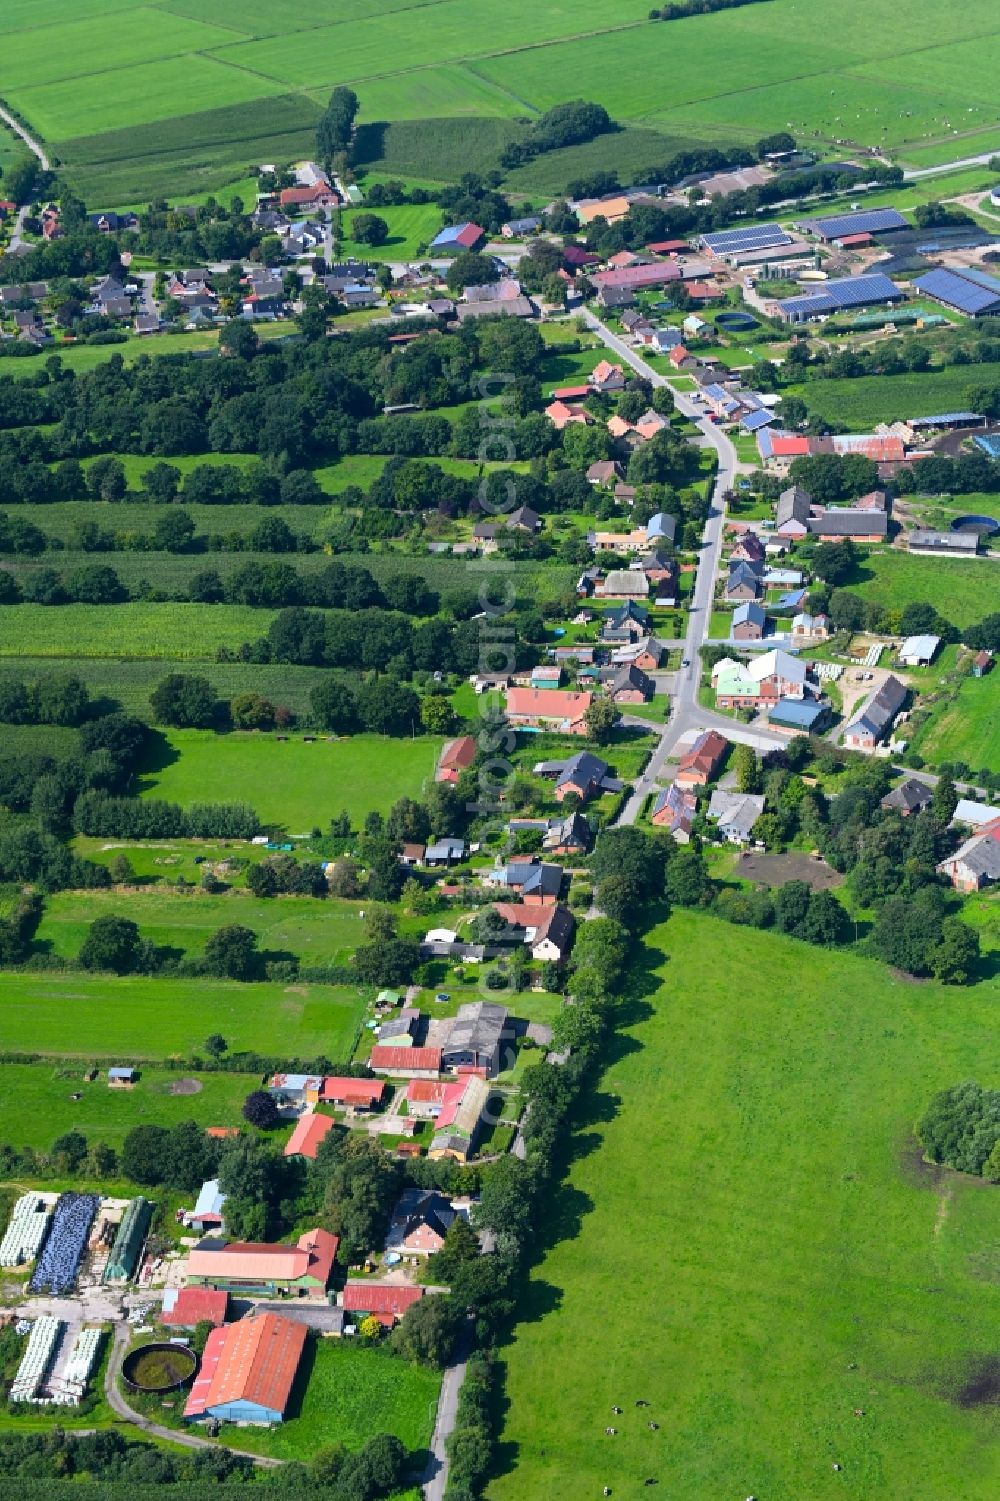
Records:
x=406, y=1058
x=252, y=1361
x=426, y=1091
x=254, y=1261
x=548, y=703
x=344, y=1091
x=221, y=1133
x=380, y=1297
x=310, y=1129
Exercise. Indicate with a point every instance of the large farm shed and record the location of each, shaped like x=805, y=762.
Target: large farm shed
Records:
x=846, y=292
x=975, y=293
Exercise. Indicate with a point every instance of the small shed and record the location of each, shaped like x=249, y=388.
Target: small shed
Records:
x=122, y=1078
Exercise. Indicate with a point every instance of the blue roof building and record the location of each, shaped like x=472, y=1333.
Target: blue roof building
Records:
x=805, y=715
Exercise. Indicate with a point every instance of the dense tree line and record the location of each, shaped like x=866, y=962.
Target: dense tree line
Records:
x=961, y=1127
x=566, y=124
x=53, y=698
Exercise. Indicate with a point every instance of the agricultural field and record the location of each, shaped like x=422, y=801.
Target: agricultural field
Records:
x=127, y=684
x=963, y=589
x=315, y=931
x=772, y=1257
x=857, y=405
x=37, y=1105
x=76, y=1015
x=180, y=631
x=125, y=106
x=293, y=783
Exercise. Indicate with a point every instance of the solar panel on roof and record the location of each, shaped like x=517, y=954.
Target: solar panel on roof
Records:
x=960, y=292
x=871, y=221
x=755, y=420
x=981, y=279
x=753, y=237
x=849, y=291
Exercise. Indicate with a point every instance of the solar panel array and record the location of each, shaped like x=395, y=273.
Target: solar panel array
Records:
x=849, y=291
x=753, y=237
x=60, y=1259
x=755, y=420
x=967, y=294
x=871, y=222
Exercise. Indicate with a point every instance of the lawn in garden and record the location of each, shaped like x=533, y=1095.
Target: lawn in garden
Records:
x=295, y=783
x=315, y=930
x=411, y=226
x=749, y=1241
x=78, y=1015
x=37, y=1104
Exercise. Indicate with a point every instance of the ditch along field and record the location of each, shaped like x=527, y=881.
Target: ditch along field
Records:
x=137, y=99
x=748, y=1240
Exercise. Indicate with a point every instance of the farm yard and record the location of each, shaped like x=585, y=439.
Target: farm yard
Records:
x=294, y=783
x=184, y=102
x=763, y=1256
x=153, y=1017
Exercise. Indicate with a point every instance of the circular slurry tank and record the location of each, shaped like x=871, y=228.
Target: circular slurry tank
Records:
x=736, y=322
x=984, y=526
x=159, y=1367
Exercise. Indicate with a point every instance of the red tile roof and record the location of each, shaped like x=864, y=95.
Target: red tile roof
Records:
x=380, y=1297
x=638, y=276
x=221, y=1133
x=455, y=756
x=195, y=1304
x=255, y=1261
x=410, y=1059
x=310, y=1129
x=367, y=1092
x=252, y=1361
x=704, y=754
x=426, y=1091
x=664, y=247
x=570, y=393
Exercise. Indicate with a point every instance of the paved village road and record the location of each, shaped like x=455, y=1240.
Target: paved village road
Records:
x=686, y=715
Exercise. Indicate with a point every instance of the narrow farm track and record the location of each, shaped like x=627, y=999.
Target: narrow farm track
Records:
x=33, y=146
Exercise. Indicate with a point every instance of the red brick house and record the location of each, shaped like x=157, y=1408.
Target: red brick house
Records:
x=699, y=765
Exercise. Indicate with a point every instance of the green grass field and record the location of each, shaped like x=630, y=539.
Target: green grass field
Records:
x=99, y=1016
x=37, y=1105
x=963, y=589
x=339, y=1394
x=202, y=98
x=748, y=1241
x=968, y=728
x=291, y=783
x=316, y=931
x=411, y=225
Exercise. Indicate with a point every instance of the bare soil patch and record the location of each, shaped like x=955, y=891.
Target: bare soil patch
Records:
x=777, y=870
x=186, y=1086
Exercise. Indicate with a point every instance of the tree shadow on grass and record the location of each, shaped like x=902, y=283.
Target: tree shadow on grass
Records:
x=157, y=755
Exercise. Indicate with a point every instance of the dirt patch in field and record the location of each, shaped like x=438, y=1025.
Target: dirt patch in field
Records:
x=186, y=1086
x=974, y=1383
x=776, y=870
